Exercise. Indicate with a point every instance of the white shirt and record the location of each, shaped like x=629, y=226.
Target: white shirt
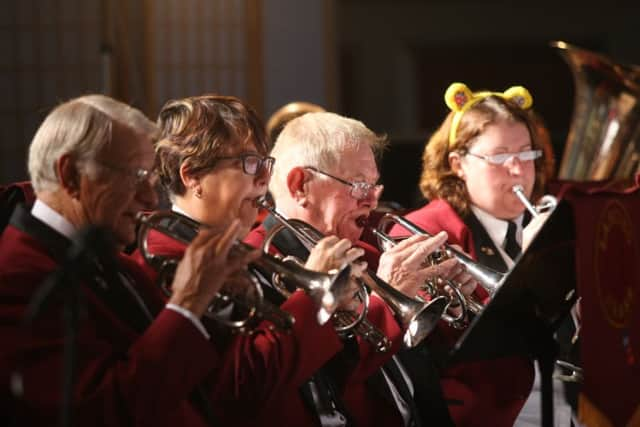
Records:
x=497, y=230
x=59, y=223
x=530, y=415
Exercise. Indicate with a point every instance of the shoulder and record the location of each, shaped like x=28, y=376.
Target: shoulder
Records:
x=435, y=216
x=432, y=211
x=21, y=252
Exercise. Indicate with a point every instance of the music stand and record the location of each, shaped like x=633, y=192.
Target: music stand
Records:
x=528, y=307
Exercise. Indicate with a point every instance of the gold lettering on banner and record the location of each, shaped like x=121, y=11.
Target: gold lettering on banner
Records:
x=616, y=262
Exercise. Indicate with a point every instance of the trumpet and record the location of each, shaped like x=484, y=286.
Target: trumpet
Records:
x=488, y=278
x=417, y=318
x=243, y=290
x=546, y=204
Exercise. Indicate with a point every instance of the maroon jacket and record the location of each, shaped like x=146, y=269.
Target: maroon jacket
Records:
x=479, y=393
x=126, y=375
x=365, y=405
x=258, y=370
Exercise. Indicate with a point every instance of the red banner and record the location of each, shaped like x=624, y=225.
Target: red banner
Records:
x=608, y=277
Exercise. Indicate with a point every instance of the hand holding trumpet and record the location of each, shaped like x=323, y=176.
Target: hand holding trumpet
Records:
x=330, y=255
x=205, y=267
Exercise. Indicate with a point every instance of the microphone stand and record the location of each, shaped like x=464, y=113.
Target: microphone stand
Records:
x=79, y=264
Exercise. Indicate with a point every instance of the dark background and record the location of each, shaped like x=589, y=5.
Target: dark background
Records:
x=385, y=62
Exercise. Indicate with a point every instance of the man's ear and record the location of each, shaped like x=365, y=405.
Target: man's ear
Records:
x=190, y=182
x=68, y=175
x=455, y=163
x=296, y=179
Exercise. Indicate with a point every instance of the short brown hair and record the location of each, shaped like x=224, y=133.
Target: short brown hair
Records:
x=438, y=181
x=199, y=129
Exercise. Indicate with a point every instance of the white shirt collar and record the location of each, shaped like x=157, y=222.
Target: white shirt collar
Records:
x=175, y=208
x=497, y=229
x=53, y=219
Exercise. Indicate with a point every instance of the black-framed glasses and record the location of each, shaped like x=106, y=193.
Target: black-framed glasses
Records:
x=359, y=190
x=252, y=164
x=502, y=158
x=138, y=175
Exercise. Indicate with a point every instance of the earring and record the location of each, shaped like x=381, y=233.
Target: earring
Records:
x=199, y=192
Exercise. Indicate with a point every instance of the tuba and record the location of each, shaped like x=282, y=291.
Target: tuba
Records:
x=243, y=290
x=417, y=317
x=489, y=279
x=604, y=138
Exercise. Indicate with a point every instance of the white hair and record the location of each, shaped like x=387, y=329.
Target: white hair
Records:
x=318, y=140
x=81, y=128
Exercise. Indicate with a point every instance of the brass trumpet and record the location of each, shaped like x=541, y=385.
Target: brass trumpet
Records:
x=489, y=279
x=243, y=290
x=418, y=318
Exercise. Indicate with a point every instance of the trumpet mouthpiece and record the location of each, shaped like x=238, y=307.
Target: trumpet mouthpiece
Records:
x=264, y=202
x=517, y=188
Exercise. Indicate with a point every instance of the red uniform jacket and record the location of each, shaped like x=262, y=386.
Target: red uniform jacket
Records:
x=366, y=406
x=479, y=393
x=124, y=376
x=258, y=371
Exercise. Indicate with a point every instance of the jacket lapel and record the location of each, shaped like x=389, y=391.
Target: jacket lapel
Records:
x=486, y=252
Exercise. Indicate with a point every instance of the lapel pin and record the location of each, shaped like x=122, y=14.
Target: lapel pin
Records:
x=487, y=250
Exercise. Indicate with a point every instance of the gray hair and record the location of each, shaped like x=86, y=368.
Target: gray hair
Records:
x=81, y=128
x=319, y=140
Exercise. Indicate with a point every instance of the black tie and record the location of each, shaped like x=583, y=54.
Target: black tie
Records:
x=511, y=245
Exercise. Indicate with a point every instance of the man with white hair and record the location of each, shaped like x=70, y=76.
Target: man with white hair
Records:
x=138, y=361
x=325, y=174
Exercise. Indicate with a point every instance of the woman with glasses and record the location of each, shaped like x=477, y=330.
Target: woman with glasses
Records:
x=212, y=159
x=485, y=146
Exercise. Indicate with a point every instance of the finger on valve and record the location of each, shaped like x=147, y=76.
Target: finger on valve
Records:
x=204, y=269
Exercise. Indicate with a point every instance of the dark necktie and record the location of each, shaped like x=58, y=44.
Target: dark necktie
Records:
x=511, y=246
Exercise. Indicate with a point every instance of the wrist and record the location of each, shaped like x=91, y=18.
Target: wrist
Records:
x=188, y=303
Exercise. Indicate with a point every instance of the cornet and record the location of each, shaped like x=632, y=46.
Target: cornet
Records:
x=418, y=318
x=487, y=278
x=546, y=204
x=242, y=290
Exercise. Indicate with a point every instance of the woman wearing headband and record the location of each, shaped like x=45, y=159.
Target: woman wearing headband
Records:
x=486, y=145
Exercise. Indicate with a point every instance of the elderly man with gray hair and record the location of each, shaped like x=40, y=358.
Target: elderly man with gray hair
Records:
x=326, y=174
x=138, y=360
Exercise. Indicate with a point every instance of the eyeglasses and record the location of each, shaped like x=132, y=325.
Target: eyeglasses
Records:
x=502, y=158
x=252, y=164
x=139, y=175
x=359, y=190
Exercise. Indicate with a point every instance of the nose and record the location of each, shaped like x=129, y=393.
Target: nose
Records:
x=147, y=195
x=263, y=177
x=373, y=197
x=514, y=166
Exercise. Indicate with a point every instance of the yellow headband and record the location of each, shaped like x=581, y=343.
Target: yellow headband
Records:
x=459, y=99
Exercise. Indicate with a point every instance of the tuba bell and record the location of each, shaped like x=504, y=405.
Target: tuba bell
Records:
x=604, y=138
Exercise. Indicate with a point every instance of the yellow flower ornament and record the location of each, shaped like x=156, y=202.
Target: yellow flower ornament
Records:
x=459, y=99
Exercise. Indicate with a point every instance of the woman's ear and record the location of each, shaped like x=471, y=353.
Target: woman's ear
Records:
x=296, y=179
x=68, y=175
x=455, y=163
x=190, y=182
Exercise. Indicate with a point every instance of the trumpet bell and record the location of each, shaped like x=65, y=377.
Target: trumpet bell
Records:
x=423, y=320
x=239, y=305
